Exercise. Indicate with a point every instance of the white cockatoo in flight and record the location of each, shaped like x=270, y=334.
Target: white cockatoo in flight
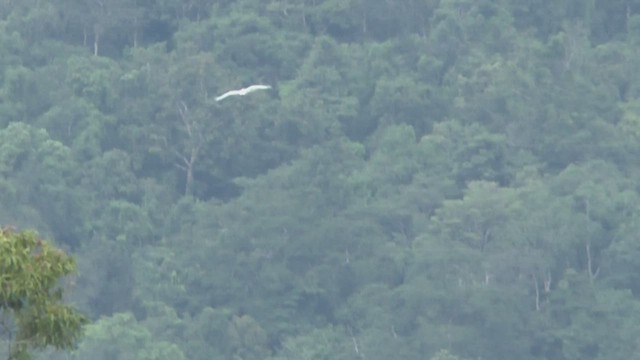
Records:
x=244, y=91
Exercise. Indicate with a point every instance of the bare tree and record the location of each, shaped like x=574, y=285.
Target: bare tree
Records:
x=186, y=158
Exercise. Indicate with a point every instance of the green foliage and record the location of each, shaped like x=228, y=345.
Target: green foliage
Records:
x=320, y=344
x=30, y=296
x=36, y=173
x=120, y=336
x=445, y=355
x=439, y=179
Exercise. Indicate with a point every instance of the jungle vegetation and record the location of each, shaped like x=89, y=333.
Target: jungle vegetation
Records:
x=427, y=179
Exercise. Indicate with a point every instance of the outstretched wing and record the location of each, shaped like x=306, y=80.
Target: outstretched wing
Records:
x=228, y=93
x=243, y=91
x=257, y=87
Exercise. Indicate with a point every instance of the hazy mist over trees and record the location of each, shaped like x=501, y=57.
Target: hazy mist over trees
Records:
x=427, y=179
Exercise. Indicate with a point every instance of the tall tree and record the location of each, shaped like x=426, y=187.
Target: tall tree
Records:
x=32, y=315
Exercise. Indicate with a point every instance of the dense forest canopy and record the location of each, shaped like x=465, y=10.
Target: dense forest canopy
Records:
x=427, y=179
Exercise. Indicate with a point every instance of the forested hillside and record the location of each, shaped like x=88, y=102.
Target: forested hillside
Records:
x=427, y=179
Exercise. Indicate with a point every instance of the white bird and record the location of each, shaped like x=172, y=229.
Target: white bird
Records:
x=244, y=91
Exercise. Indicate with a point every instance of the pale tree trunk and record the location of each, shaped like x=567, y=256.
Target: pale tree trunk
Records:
x=356, y=348
x=96, y=39
x=547, y=282
x=587, y=244
x=187, y=161
x=592, y=274
x=97, y=29
x=364, y=23
x=537, y=288
x=95, y=45
x=187, y=164
x=135, y=32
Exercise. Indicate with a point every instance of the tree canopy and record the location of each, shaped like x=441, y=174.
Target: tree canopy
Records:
x=32, y=315
x=426, y=179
